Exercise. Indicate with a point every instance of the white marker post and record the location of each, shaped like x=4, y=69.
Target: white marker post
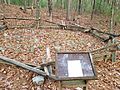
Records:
x=48, y=59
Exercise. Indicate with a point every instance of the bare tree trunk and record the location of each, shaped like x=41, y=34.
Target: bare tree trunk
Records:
x=114, y=52
x=68, y=10
x=117, y=4
x=5, y=1
x=93, y=9
x=32, y=6
x=50, y=8
x=25, y=3
x=8, y=2
x=61, y=3
x=37, y=10
x=112, y=17
x=100, y=5
x=37, y=13
x=34, y=2
x=111, y=28
x=28, y=2
x=79, y=6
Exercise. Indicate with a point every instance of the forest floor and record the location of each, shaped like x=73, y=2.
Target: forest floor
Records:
x=29, y=46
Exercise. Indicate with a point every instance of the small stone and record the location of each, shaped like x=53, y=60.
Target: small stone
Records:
x=78, y=88
x=38, y=80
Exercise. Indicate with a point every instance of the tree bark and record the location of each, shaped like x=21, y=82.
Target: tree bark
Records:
x=37, y=13
x=50, y=8
x=37, y=9
x=8, y=2
x=25, y=3
x=112, y=16
x=17, y=63
x=22, y=65
x=93, y=9
x=111, y=28
x=79, y=6
x=28, y=3
x=68, y=10
x=100, y=6
x=5, y=1
x=33, y=5
x=62, y=3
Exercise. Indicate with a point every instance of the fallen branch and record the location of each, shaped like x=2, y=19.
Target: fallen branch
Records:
x=17, y=63
x=28, y=7
x=65, y=27
x=18, y=18
x=18, y=26
x=110, y=34
x=12, y=61
x=27, y=26
x=108, y=46
x=74, y=27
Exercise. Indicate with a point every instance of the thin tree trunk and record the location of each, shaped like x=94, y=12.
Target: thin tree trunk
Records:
x=117, y=4
x=32, y=6
x=50, y=8
x=34, y=2
x=37, y=10
x=111, y=28
x=28, y=3
x=5, y=1
x=100, y=5
x=25, y=3
x=8, y=2
x=65, y=4
x=79, y=7
x=62, y=3
x=93, y=9
x=112, y=17
x=114, y=52
x=68, y=10
x=37, y=13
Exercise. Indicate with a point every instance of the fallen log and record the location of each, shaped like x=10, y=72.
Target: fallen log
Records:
x=18, y=18
x=110, y=34
x=74, y=27
x=40, y=27
x=12, y=61
x=17, y=63
x=28, y=7
x=65, y=27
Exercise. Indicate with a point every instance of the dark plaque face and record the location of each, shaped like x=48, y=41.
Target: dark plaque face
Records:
x=74, y=65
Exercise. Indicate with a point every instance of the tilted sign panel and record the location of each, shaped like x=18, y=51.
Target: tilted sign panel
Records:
x=74, y=65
